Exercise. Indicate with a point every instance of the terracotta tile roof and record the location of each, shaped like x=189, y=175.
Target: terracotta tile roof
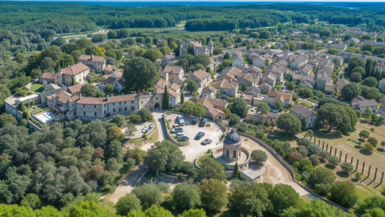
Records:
x=110, y=80
x=247, y=97
x=196, y=44
x=200, y=74
x=226, y=84
x=205, y=102
x=88, y=58
x=64, y=97
x=90, y=101
x=112, y=69
x=214, y=112
x=209, y=88
x=122, y=98
x=218, y=102
x=278, y=94
x=47, y=75
x=173, y=69
x=76, y=88
x=161, y=83
x=170, y=56
x=75, y=69
x=232, y=70
x=175, y=87
x=173, y=93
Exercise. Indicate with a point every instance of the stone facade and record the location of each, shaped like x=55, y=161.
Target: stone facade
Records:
x=97, y=63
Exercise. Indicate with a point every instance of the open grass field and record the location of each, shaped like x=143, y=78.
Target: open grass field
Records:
x=37, y=87
x=353, y=147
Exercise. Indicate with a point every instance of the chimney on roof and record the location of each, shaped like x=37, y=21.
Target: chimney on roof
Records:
x=92, y=56
x=108, y=97
x=80, y=95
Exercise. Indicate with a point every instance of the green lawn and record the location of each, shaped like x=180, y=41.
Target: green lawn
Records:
x=37, y=87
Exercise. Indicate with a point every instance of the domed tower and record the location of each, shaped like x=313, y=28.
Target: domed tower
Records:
x=232, y=146
x=211, y=46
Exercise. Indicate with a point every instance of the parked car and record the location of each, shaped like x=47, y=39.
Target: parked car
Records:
x=206, y=141
x=203, y=122
x=177, y=130
x=179, y=134
x=181, y=120
x=144, y=130
x=151, y=126
x=195, y=120
x=199, y=135
x=183, y=138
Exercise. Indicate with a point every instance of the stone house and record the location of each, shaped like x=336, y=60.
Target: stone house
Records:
x=174, y=71
x=227, y=88
x=237, y=60
x=341, y=47
x=96, y=63
x=65, y=76
x=302, y=112
x=248, y=98
x=341, y=83
x=307, y=70
x=248, y=79
x=115, y=80
x=209, y=92
x=284, y=98
x=324, y=74
x=214, y=107
x=201, y=77
x=168, y=59
x=75, y=89
x=253, y=90
x=277, y=71
x=110, y=69
x=63, y=104
x=256, y=117
x=361, y=103
x=215, y=61
x=46, y=78
x=197, y=48
x=299, y=62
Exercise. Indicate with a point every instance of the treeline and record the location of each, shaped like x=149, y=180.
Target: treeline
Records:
x=67, y=18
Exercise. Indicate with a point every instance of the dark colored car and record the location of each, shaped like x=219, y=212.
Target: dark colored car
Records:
x=203, y=122
x=195, y=120
x=206, y=141
x=199, y=135
x=183, y=138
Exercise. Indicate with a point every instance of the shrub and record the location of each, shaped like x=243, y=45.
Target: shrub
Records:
x=258, y=156
x=305, y=165
x=303, y=151
x=314, y=160
x=295, y=156
x=347, y=167
x=368, y=147
x=358, y=176
x=304, y=142
x=334, y=160
x=373, y=141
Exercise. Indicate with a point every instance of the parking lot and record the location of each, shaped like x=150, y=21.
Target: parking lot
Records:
x=195, y=148
x=139, y=127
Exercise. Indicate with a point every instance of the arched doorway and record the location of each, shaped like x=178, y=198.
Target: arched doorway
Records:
x=156, y=106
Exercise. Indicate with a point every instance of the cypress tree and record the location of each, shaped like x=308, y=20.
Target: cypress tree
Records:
x=165, y=99
x=21, y=107
x=73, y=81
x=26, y=115
x=236, y=171
x=182, y=98
x=244, y=87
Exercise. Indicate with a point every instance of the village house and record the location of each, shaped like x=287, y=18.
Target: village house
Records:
x=304, y=113
x=46, y=78
x=237, y=60
x=209, y=92
x=254, y=90
x=324, y=74
x=307, y=70
x=168, y=59
x=248, y=79
x=96, y=63
x=214, y=107
x=341, y=83
x=110, y=69
x=174, y=71
x=202, y=78
x=341, y=47
x=77, y=73
x=115, y=79
x=361, y=103
x=197, y=48
x=299, y=62
x=284, y=98
x=227, y=88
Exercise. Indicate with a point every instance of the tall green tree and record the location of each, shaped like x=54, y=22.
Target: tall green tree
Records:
x=140, y=73
x=213, y=194
x=290, y=124
x=165, y=98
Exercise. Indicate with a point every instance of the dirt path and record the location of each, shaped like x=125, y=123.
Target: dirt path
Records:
x=128, y=184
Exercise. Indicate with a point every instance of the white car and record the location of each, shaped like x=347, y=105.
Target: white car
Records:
x=144, y=130
x=151, y=126
x=181, y=120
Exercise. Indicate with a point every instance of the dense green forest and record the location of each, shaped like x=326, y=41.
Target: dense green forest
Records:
x=65, y=18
